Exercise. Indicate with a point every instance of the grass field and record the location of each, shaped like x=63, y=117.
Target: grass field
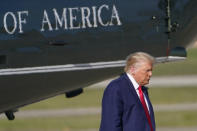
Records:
x=57, y=123
x=176, y=119
x=93, y=97
x=186, y=67
x=173, y=95
x=90, y=98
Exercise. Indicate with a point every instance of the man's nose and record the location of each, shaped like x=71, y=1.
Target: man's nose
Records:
x=150, y=73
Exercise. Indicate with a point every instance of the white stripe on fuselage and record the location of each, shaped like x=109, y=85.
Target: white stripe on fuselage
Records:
x=77, y=67
x=61, y=68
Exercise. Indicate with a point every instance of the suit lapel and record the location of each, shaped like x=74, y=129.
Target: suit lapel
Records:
x=133, y=91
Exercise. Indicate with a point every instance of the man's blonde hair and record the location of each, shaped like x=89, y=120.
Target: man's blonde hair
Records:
x=138, y=57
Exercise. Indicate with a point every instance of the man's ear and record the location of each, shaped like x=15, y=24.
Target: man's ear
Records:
x=132, y=70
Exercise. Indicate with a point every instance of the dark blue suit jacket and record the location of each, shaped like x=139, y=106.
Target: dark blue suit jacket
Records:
x=122, y=109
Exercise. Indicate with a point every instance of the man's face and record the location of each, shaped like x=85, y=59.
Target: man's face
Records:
x=142, y=73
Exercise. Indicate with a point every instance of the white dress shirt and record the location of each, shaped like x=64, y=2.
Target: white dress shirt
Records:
x=136, y=86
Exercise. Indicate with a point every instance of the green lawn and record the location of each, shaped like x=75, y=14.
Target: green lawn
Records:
x=186, y=67
x=90, y=98
x=176, y=119
x=173, y=95
x=51, y=124
x=93, y=97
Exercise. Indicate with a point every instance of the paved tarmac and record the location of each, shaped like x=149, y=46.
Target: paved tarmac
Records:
x=174, y=81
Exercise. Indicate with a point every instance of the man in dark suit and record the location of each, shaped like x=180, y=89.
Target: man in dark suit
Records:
x=126, y=105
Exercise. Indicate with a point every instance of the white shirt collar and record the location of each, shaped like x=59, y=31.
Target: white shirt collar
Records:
x=135, y=84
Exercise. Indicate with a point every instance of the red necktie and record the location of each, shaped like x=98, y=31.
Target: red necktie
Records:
x=145, y=107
